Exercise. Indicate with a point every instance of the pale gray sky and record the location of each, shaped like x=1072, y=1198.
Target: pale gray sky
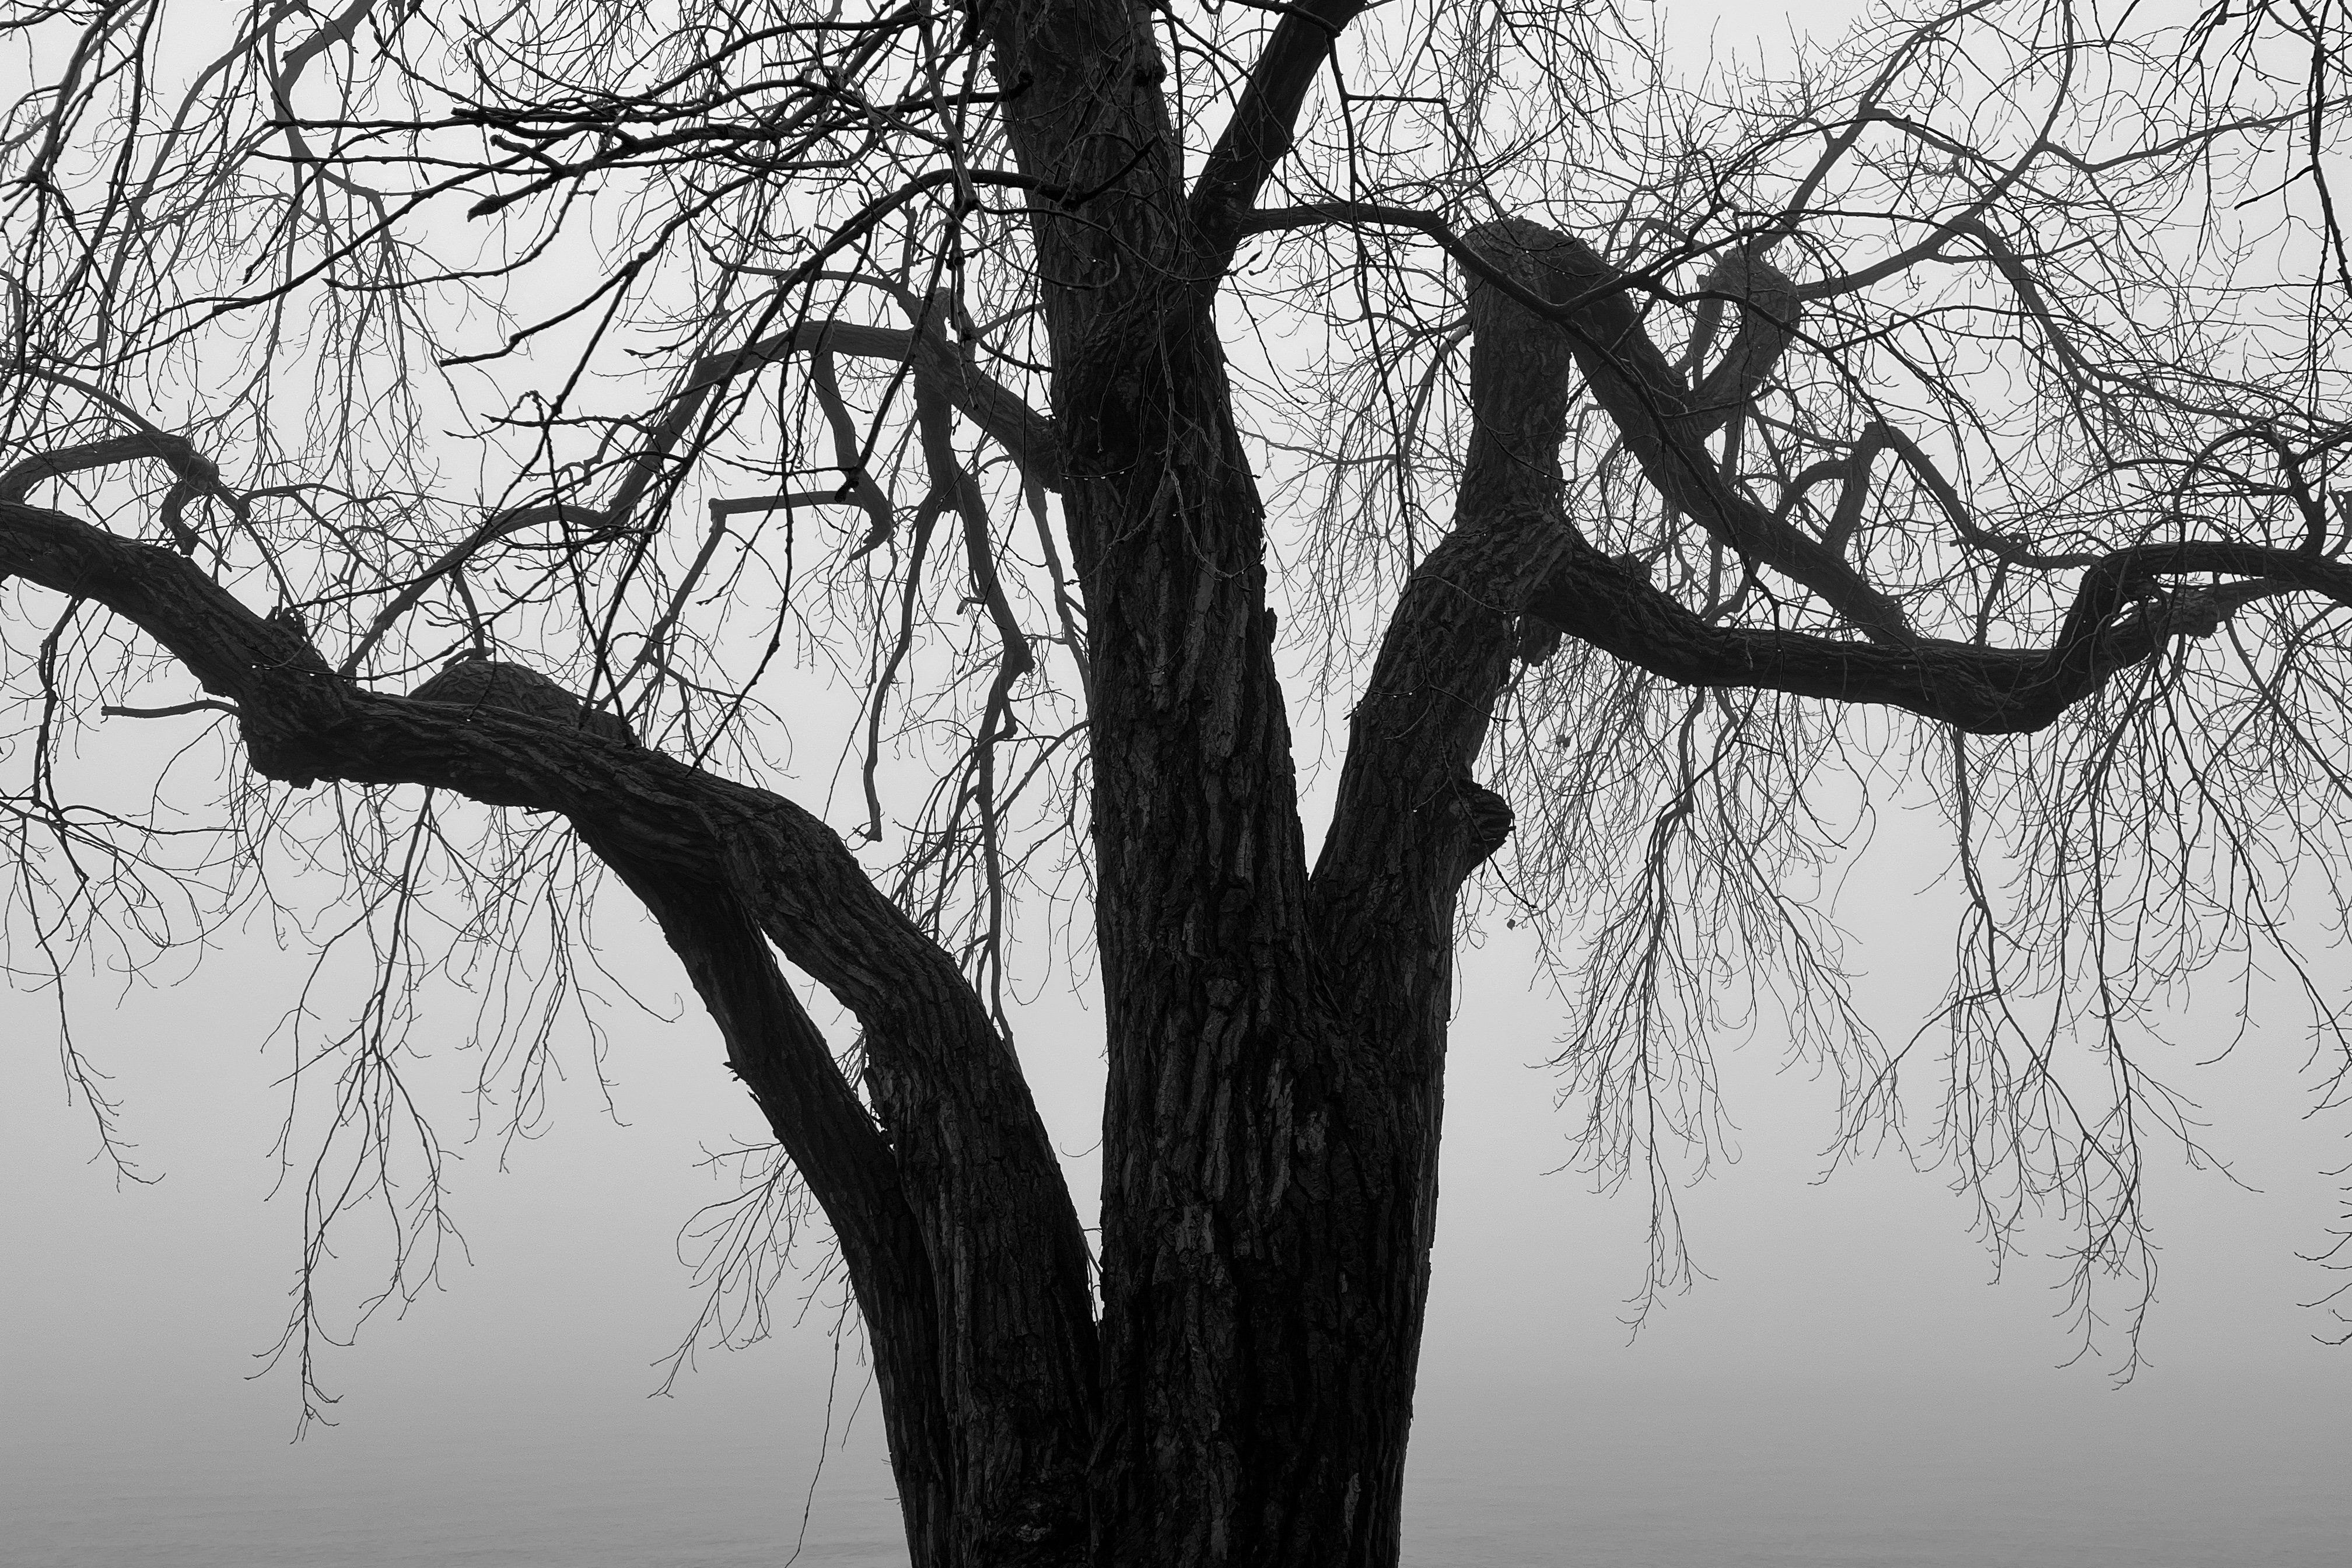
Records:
x=1852, y=1321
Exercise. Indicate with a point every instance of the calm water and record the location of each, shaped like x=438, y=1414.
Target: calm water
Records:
x=1696, y=1485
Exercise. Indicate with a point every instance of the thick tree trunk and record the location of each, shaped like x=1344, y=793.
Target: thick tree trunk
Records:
x=1276, y=1039
x=1226, y=1156
x=1277, y=1050
x=1275, y=1044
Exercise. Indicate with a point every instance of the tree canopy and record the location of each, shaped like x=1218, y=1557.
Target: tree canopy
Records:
x=1627, y=469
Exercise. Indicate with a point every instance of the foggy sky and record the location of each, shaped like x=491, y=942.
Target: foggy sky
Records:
x=1849, y=1348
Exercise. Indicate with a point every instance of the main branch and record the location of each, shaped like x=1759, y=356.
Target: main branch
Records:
x=1007, y=1261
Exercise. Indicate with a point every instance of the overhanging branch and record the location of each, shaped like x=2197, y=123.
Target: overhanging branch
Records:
x=2124, y=612
x=979, y=1174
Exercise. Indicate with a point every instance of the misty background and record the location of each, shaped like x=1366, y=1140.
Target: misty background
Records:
x=1851, y=1383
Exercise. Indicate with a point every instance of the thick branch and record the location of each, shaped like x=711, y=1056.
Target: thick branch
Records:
x=1664, y=428
x=1663, y=425
x=778, y=1052
x=17, y=480
x=1766, y=298
x=1265, y=123
x=1007, y=1256
x=2123, y=614
x=194, y=473
x=1410, y=823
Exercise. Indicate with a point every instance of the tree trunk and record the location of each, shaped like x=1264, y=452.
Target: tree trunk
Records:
x=1278, y=1043
x=1275, y=1042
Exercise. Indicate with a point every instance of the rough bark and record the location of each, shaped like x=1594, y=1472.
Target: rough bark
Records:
x=1248, y=1167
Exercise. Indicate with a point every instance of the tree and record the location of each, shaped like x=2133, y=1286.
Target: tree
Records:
x=1636, y=456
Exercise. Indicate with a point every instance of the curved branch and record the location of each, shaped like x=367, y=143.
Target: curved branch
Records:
x=1264, y=122
x=195, y=474
x=777, y=1051
x=1409, y=824
x=1768, y=311
x=1008, y=1259
x=2123, y=614
x=16, y=481
x=1664, y=426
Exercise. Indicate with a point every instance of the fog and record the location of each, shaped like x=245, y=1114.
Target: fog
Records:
x=1850, y=1371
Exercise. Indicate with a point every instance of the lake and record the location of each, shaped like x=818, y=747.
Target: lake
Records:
x=1694, y=1478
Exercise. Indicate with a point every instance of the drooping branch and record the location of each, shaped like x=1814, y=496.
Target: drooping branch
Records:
x=1008, y=1260
x=2124, y=611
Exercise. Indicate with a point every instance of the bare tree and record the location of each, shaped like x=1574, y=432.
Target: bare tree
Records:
x=1649, y=461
